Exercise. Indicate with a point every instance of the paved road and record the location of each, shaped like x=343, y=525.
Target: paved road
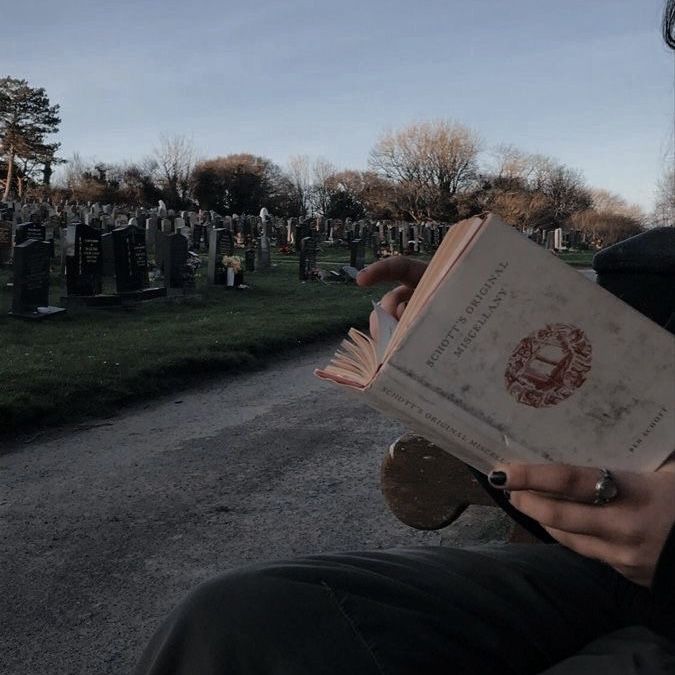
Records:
x=104, y=529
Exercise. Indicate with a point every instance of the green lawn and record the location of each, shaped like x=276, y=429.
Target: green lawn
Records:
x=90, y=363
x=578, y=258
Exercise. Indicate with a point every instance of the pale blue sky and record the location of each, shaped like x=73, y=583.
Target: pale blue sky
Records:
x=588, y=82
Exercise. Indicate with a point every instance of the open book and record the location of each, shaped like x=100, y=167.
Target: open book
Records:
x=505, y=353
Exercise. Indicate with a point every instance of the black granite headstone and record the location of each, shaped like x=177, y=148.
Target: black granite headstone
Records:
x=307, y=258
x=26, y=231
x=129, y=259
x=30, y=292
x=303, y=230
x=221, y=244
x=174, y=260
x=84, y=268
x=249, y=260
x=5, y=242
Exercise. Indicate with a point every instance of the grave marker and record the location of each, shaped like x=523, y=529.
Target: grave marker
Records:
x=84, y=268
x=26, y=231
x=357, y=254
x=5, y=242
x=263, y=253
x=126, y=247
x=30, y=292
x=174, y=262
x=307, y=258
x=221, y=244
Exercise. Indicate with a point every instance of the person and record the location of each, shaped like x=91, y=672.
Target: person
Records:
x=600, y=598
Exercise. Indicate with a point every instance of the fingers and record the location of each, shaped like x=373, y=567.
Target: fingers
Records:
x=407, y=271
x=562, y=480
x=391, y=301
x=567, y=516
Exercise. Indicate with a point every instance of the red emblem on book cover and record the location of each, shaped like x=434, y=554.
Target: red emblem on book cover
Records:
x=549, y=365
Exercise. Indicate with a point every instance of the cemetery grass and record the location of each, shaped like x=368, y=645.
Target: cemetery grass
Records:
x=578, y=258
x=91, y=363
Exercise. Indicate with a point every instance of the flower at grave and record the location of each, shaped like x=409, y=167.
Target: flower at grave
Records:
x=232, y=261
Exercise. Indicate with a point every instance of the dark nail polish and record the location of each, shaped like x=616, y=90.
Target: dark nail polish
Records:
x=497, y=478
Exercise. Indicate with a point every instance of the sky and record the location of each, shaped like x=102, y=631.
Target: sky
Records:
x=587, y=82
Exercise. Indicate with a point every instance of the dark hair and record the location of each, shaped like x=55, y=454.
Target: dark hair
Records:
x=669, y=24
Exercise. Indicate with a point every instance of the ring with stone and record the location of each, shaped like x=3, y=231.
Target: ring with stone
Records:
x=606, y=489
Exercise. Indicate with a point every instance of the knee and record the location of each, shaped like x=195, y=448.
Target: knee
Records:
x=248, y=597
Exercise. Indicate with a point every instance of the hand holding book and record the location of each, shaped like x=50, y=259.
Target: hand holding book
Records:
x=559, y=496
x=506, y=354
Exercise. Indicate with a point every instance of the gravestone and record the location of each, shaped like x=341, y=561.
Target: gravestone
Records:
x=125, y=247
x=5, y=242
x=186, y=231
x=177, y=274
x=264, y=254
x=221, y=244
x=151, y=235
x=375, y=245
x=26, y=231
x=357, y=254
x=197, y=230
x=307, y=258
x=549, y=240
x=249, y=260
x=84, y=268
x=30, y=292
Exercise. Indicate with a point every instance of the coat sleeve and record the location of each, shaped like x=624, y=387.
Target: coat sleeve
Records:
x=663, y=585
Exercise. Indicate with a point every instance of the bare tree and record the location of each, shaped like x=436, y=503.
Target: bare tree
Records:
x=511, y=164
x=431, y=162
x=176, y=157
x=299, y=172
x=610, y=202
x=322, y=171
x=664, y=212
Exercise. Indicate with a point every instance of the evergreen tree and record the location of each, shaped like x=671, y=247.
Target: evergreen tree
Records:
x=26, y=118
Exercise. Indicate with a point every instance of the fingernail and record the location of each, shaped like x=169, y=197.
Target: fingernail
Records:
x=497, y=478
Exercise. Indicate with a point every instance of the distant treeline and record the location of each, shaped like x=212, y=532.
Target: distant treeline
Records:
x=431, y=171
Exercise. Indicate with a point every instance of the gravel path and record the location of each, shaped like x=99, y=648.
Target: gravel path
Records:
x=104, y=529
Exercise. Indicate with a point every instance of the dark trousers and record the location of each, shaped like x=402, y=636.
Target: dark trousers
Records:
x=511, y=609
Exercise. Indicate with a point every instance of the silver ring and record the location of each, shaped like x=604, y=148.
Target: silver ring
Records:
x=606, y=489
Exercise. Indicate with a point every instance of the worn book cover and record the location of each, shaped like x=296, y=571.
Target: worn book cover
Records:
x=507, y=354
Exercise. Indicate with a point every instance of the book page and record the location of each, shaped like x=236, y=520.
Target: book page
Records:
x=553, y=363
x=386, y=327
